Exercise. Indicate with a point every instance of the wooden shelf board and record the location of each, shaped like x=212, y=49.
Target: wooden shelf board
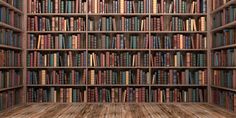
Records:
x=179, y=50
x=10, y=88
x=118, y=85
x=11, y=67
x=9, y=47
x=177, y=85
x=223, y=6
x=118, y=14
x=224, y=88
x=56, y=85
x=44, y=50
x=116, y=32
x=178, y=14
x=122, y=67
x=56, y=14
x=118, y=49
x=11, y=7
x=47, y=67
x=223, y=67
x=229, y=25
x=224, y=47
x=179, y=32
x=56, y=32
x=173, y=67
x=15, y=29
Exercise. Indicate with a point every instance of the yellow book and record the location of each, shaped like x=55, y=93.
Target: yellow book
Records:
x=55, y=59
x=154, y=6
x=175, y=58
x=122, y=5
x=39, y=42
x=55, y=96
x=45, y=60
x=181, y=41
x=95, y=6
x=127, y=77
x=43, y=77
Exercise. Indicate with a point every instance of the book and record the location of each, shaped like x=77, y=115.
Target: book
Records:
x=9, y=99
x=226, y=37
x=224, y=78
x=10, y=58
x=10, y=17
x=10, y=78
x=224, y=57
x=10, y=38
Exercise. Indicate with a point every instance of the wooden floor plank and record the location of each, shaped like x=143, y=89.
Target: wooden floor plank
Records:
x=117, y=111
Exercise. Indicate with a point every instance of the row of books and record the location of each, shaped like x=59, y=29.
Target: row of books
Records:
x=178, y=6
x=118, y=6
x=10, y=58
x=124, y=77
x=167, y=95
x=118, y=24
x=56, y=41
x=218, y=3
x=9, y=99
x=52, y=94
x=111, y=59
x=226, y=37
x=118, y=41
x=197, y=77
x=10, y=38
x=178, y=41
x=39, y=23
x=178, y=59
x=224, y=78
x=56, y=59
x=57, y=6
x=10, y=17
x=128, y=94
x=224, y=57
x=162, y=23
x=224, y=17
x=10, y=78
x=225, y=99
x=53, y=77
x=15, y=3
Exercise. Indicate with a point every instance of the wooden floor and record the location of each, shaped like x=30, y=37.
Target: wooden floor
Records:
x=117, y=111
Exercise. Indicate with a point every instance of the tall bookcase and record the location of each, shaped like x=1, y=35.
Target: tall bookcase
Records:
x=11, y=69
x=223, y=53
x=117, y=51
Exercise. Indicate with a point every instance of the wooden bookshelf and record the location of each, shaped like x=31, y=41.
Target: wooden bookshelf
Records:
x=11, y=73
x=146, y=67
x=223, y=73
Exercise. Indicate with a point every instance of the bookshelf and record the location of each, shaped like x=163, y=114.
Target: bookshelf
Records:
x=11, y=68
x=105, y=48
x=223, y=83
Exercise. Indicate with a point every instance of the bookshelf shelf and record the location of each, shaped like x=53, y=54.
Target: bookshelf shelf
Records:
x=77, y=67
x=118, y=85
x=192, y=50
x=57, y=50
x=178, y=32
x=8, y=67
x=224, y=67
x=161, y=67
x=223, y=6
x=10, y=27
x=178, y=14
x=135, y=67
x=224, y=47
x=118, y=50
x=57, y=85
x=115, y=32
x=10, y=7
x=57, y=14
x=9, y=47
x=55, y=32
x=10, y=88
x=224, y=88
x=118, y=14
x=229, y=25
x=177, y=85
